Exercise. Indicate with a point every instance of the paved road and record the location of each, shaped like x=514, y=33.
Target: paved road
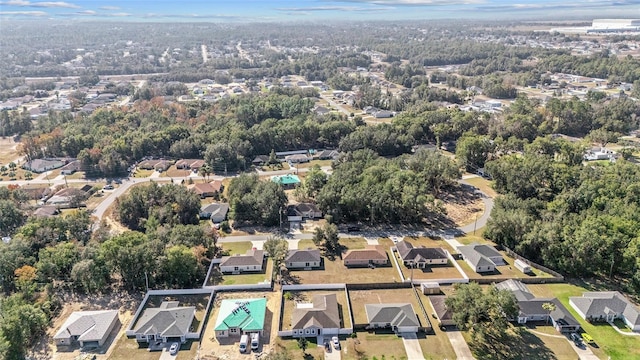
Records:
x=412, y=346
x=335, y=104
x=460, y=346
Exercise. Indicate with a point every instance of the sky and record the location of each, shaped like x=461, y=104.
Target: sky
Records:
x=314, y=10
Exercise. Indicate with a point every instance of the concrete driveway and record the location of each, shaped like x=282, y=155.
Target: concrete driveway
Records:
x=459, y=345
x=165, y=355
x=412, y=346
x=584, y=352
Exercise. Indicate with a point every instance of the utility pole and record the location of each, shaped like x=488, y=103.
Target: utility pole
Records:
x=475, y=224
x=146, y=278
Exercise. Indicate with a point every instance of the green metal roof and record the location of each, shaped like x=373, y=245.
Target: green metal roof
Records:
x=288, y=179
x=245, y=314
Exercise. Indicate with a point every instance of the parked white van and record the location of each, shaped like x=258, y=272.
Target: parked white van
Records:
x=244, y=342
x=255, y=341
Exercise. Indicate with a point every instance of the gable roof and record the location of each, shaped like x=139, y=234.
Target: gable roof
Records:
x=409, y=253
x=207, y=188
x=323, y=313
x=168, y=320
x=87, y=325
x=601, y=303
x=252, y=257
x=245, y=314
x=46, y=211
x=307, y=255
x=371, y=252
x=471, y=253
x=440, y=307
x=394, y=314
x=215, y=208
x=518, y=289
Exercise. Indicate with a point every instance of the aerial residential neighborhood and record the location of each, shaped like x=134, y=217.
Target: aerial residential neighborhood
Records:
x=291, y=180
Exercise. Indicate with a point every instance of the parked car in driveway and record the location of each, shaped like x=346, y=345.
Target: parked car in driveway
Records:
x=576, y=339
x=587, y=338
x=336, y=342
x=174, y=348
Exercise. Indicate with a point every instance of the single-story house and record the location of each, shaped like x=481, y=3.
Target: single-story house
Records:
x=283, y=154
x=71, y=168
x=481, y=258
x=67, y=197
x=297, y=158
x=599, y=154
x=216, y=212
x=189, y=164
x=606, y=306
x=166, y=323
x=421, y=257
x=321, y=110
x=399, y=317
x=46, y=211
x=148, y=164
x=205, y=190
x=90, y=329
x=252, y=261
x=531, y=308
x=42, y=165
x=240, y=316
x=303, y=259
x=442, y=312
x=328, y=155
x=288, y=181
x=321, y=317
x=370, y=256
x=305, y=211
x=162, y=165
x=383, y=114
x=260, y=160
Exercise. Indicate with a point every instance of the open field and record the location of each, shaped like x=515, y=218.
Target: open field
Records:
x=306, y=244
x=610, y=343
x=293, y=351
x=354, y=243
x=470, y=238
x=335, y=272
x=140, y=173
x=371, y=345
x=519, y=343
x=560, y=347
x=310, y=164
x=359, y=298
x=8, y=150
x=227, y=348
x=307, y=297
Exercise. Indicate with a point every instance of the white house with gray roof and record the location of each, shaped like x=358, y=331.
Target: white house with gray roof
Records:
x=481, y=258
x=169, y=322
x=606, y=306
x=399, y=317
x=252, y=261
x=303, y=259
x=90, y=329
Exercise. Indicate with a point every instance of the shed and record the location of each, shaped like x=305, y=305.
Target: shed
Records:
x=522, y=266
x=430, y=288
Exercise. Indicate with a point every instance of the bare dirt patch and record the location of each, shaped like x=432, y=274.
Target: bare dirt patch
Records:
x=8, y=150
x=462, y=205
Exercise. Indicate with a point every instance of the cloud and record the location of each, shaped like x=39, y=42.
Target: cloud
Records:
x=41, y=4
x=416, y=2
x=110, y=8
x=583, y=5
x=23, y=13
x=307, y=10
x=193, y=16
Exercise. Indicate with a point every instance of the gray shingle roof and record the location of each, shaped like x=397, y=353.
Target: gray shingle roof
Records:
x=303, y=255
x=394, y=314
x=168, y=320
x=324, y=313
x=470, y=253
x=87, y=325
x=596, y=304
x=252, y=257
x=409, y=253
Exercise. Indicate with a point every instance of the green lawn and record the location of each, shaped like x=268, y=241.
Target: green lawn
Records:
x=237, y=247
x=610, y=343
x=140, y=173
x=305, y=244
